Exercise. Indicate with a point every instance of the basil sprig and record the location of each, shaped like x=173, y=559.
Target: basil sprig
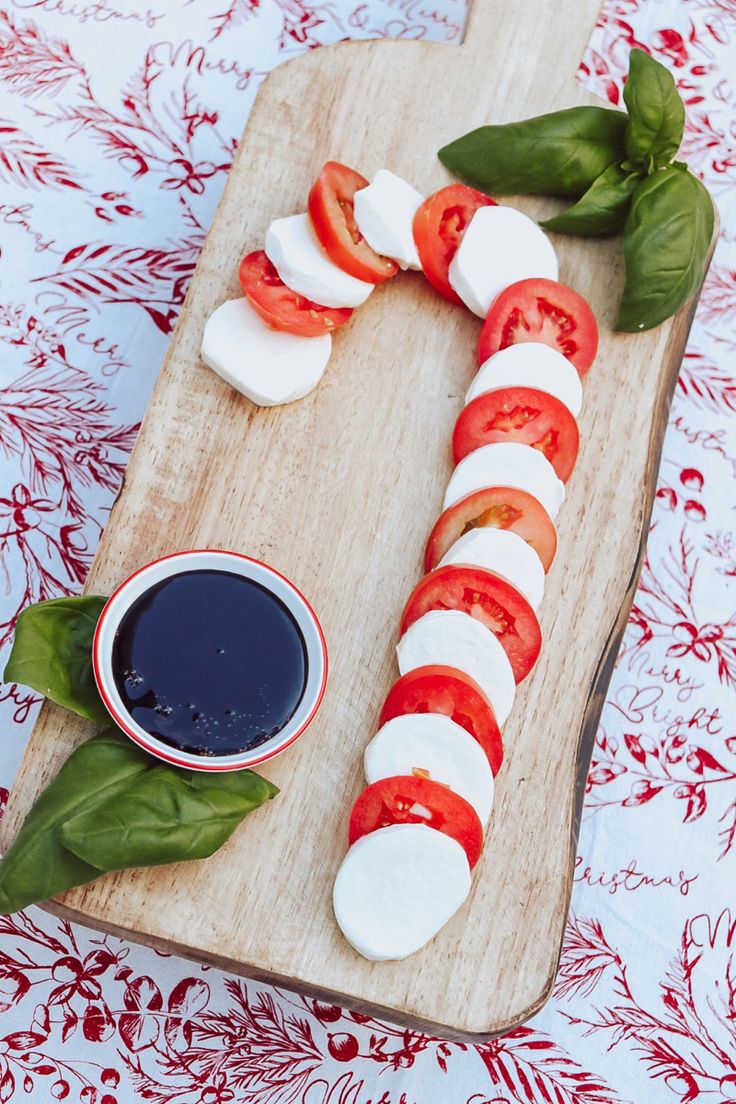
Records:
x=112, y=805
x=620, y=168
x=52, y=653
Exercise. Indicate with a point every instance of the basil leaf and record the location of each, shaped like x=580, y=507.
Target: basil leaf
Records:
x=656, y=112
x=52, y=653
x=37, y=866
x=667, y=239
x=165, y=815
x=601, y=210
x=113, y=806
x=557, y=154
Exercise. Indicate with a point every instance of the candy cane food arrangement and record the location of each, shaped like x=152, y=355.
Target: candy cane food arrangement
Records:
x=469, y=632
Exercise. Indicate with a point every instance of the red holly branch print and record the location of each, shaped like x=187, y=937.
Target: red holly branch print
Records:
x=666, y=606
x=155, y=280
x=235, y=15
x=690, y=1040
x=25, y=162
x=530, y=1068
x=707, y=385
x=33, y=63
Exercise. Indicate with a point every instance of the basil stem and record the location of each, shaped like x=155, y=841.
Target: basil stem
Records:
x=557, y=154
x=667, y=238
x=601, y=210
x=656, y=112
x=52, y=653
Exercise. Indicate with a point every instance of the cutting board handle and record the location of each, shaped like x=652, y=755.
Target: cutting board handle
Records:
x=480, y=45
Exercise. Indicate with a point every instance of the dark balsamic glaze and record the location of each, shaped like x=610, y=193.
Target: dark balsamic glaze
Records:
x=210, y=662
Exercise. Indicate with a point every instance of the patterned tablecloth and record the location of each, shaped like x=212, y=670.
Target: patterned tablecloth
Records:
x=118, y=122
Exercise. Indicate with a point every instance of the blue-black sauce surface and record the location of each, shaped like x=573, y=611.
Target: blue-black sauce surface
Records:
x=210, y=662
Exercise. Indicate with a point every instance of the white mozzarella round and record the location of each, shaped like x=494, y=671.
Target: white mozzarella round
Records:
x=530, y=364
x=503, y=552
x=384, y=214
x=268, y=366
x=451, y=638
x=433, y=746
x=397, y=887
x=507, y=464
x=302, y=264
x=500, y=246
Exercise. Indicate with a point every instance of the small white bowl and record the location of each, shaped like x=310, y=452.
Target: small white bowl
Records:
x=213, y=560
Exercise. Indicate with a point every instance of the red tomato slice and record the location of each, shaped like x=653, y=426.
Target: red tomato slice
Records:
x=545, y=311
x=439, y=224
x=410, y=799
x=279, y=306
x=445, y=690
x=502, y=508
x=488, y=598
x=520, y=414
x=331, y=211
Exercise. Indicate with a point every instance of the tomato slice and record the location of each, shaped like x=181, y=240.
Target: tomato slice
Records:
x=545, y=311
x=333, y=218
x=279, y=306
x=411, y=799
x=488, y=598
x=520, y=414
x=445, y=690
x=502, y=508
x=439, y=224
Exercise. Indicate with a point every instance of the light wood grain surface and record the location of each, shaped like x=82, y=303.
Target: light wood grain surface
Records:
x=339, y=491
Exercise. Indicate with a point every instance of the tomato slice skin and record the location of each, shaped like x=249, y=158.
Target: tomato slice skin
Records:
x=330, y=207
x=501, y=507
x=439, y=224
x=521, y=414
x=398, y=800
x=489, y=599
x=279, y=306
x=446, y=690
x=544, y=311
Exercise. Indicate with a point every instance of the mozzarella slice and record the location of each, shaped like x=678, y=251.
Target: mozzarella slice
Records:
x=451, y=638
x=500, y=246
x=434, y=746
x=384, y=214
x=505, y=553
x=301, y=262
x=530, y=364
x=268, y=366
x=397, y=887
x=507, y=464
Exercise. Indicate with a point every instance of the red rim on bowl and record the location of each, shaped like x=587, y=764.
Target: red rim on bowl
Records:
x=139, y=582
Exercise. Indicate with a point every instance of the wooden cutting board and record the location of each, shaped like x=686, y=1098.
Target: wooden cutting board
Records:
x=339, y=491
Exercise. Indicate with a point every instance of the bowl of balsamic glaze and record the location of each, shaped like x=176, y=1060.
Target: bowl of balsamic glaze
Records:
x=210, y=660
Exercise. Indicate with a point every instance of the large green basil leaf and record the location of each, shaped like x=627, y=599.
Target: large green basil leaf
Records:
x=113, y=806
x=557, y=154
x=165, y=815
x=37, y=866
x=52, y=653
x=667, y=238
x=603, y=208
x=656, y=112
